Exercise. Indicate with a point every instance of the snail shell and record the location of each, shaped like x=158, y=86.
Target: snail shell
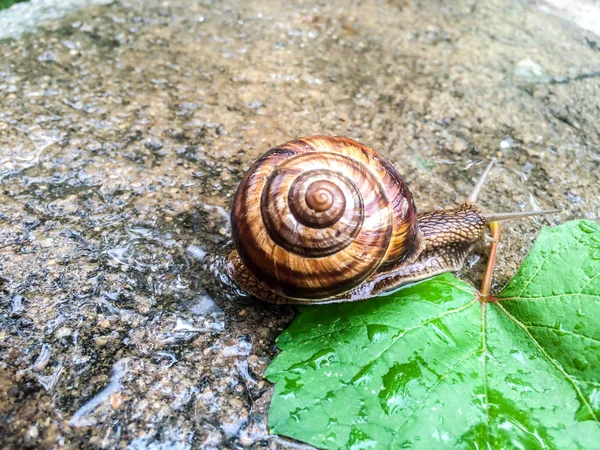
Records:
x=318, y=215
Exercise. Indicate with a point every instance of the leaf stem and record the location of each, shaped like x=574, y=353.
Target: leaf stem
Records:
x=486, y=283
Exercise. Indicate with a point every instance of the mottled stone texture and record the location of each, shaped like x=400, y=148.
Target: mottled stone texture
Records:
x=124, y=130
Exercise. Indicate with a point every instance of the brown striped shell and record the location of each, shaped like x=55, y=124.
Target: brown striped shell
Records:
x=318, y=215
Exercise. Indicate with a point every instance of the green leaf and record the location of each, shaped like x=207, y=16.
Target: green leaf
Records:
x=431, y=366
x=6, y=3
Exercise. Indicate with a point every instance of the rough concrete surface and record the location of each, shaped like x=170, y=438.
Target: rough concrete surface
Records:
x=124, y=130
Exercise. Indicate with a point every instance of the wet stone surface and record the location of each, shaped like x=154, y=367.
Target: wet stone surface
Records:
x=124, y=130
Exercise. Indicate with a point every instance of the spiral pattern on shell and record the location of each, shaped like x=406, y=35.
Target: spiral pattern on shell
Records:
x=316, y=216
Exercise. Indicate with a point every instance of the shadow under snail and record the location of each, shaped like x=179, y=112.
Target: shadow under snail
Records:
x=326, y=219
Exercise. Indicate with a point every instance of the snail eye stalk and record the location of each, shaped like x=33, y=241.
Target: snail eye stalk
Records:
x=494, y=217
x=477, y=189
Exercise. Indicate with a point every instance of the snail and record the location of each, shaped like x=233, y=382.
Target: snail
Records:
x=326, y=219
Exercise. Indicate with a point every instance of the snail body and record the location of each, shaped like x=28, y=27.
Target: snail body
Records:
x=326, y=219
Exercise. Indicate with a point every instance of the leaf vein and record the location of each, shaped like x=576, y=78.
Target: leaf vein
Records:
x=544, y=260
x=408, y=330
x=558, y=330
x=544, y=297
x=552, y=361
x=340, y=387
x=484, y=373
x=421, y=401
x=589, y=282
